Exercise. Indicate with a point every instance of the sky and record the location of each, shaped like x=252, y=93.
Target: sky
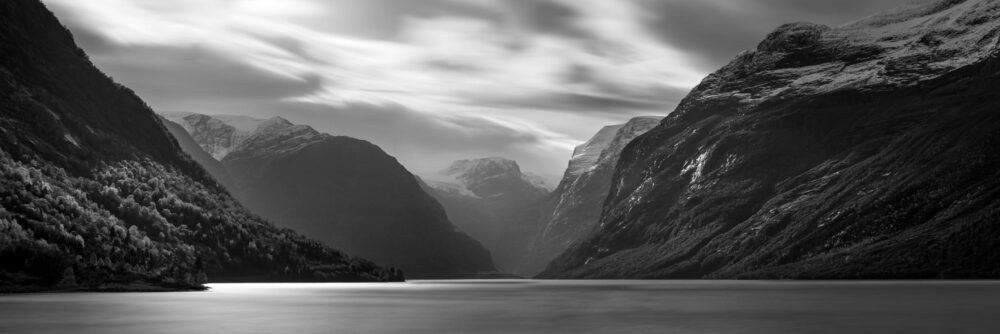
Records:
x=433, y=81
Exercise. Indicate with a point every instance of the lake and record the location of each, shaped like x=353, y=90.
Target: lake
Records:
x=521, y=306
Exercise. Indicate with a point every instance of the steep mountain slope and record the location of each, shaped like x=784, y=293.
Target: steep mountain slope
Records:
x=485, y=197
x=193, y=149
x=95, y=194
x=864, y=151
x=341, y=190
x=571, y=212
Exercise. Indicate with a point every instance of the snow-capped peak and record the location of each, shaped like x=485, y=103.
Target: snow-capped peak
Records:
x=272, y=124
x=606, y=144
x=586, y=155
x=220, y=135
x=473, y=176
x=485, y=167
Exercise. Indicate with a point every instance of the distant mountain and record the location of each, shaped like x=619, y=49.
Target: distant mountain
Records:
x=217, y=135
x=95, y=194
x=486, y=197
x=340, y=190
x=190, y=146
x=862, y=151
x=573, y=209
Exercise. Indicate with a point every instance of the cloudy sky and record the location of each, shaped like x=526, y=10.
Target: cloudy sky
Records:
x=431, y=81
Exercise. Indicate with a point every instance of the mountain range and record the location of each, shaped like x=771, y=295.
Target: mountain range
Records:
x=523, y=224
x=864, y=151
x=340, y=190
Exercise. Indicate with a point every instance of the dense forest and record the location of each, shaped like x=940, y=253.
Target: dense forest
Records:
x=138, y=221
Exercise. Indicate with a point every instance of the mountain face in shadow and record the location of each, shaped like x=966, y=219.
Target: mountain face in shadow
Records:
x=340, y=190
x=864, y=151
x=486, y=197
x=571, y=212
x=94, y=193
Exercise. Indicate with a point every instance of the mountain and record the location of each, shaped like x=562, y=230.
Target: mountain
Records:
x=204, y=159
x=344, y=191
x=95, y=194
x=862, y=151
x=217, y=135
x=571, y=212
x=484, y=197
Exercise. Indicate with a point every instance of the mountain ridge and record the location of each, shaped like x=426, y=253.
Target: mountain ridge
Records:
x=863, y=151
x=341, y=190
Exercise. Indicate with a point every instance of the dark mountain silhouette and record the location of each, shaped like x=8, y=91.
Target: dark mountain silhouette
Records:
x=863, y=151
x=94, y=192
x=340, y=190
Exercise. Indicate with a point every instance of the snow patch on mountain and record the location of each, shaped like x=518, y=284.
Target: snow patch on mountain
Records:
x=605, y=146
x=471, y=177
x=900, y=48
x=221, y=135
x=585, y=156
x=71, y=139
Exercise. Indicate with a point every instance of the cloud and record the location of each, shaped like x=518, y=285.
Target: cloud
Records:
x=385, y=19
x=165, y=76
x=582, y=103
x=431, y=80
x=547, y=16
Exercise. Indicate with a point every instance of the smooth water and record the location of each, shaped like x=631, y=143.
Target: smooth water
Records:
x=521, y=307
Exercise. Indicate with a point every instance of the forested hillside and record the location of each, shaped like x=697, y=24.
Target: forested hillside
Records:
x=96, y=194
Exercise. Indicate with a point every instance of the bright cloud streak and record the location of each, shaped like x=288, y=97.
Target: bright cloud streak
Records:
x=537, y=76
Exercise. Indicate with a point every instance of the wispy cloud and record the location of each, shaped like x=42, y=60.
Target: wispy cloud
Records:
x=425, y=79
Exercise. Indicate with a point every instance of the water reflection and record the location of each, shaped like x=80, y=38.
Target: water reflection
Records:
x=521, y=306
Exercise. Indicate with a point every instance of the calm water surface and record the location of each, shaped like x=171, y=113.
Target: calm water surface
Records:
x=521, y=307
